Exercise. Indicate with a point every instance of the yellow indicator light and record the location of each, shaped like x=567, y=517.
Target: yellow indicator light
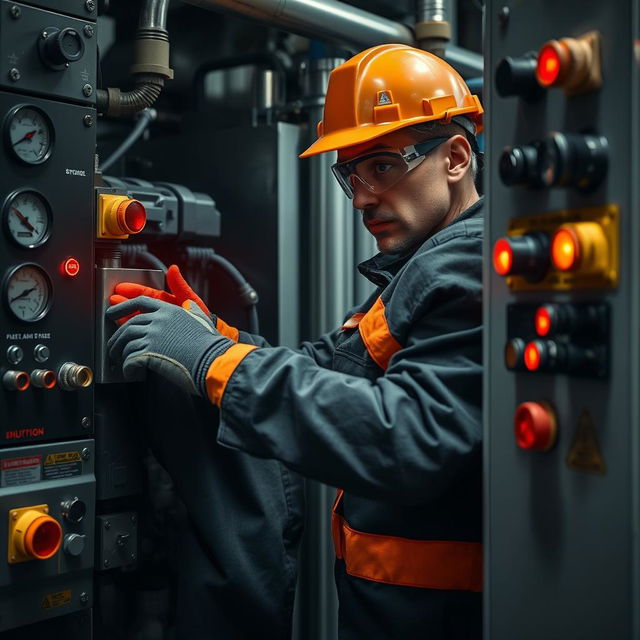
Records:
x=581, y=247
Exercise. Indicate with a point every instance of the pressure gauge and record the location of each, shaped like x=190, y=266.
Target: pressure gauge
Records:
x=27, y=218
x=29, y=134
x=28, y=292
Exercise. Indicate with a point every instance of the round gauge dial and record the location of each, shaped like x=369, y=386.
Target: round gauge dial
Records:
x=27, y=218
x=28, y=292
x=29, y=134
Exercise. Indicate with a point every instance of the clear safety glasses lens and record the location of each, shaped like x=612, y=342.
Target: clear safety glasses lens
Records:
x=381, y=170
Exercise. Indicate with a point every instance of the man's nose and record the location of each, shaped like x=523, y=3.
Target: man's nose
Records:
x=363, y=198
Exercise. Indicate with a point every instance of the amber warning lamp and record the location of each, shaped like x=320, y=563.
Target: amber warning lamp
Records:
x=119, y=216
x=580, y=247
x=572, y=64
x=535, y=426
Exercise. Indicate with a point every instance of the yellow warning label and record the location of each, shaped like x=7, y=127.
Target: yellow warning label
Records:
x=57, y=599
x=584, y=454
x=62, y=458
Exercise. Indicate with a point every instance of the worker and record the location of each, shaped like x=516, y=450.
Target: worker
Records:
x=386, y=408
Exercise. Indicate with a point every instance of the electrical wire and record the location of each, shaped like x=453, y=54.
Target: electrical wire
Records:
x=145, y=118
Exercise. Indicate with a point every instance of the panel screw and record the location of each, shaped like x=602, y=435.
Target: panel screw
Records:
x=14, y=75
x=86, y=420
x=133, y=556
x=106, y=563
x=15, y=12
x=84, y=597
x=86, y=454
x=88, y=31
x=107, y=524
x=87, y=90
x=503, y=16
x=90, y=6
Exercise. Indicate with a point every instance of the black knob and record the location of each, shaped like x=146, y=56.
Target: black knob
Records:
x=73, y=510
x=517, y=77
x=573, y=160
x=59, y=47
x=519, y=165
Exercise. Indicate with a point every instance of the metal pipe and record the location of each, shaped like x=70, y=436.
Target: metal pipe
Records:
x=153, y=15
x=328, y=20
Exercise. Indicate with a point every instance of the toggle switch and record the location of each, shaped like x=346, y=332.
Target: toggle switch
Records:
x=535, y=426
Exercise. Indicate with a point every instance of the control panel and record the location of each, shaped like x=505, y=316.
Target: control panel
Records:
x=561, y=314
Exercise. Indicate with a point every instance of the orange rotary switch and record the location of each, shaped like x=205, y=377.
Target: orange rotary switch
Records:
x=119, y=216
x=33, y=534
x=535, y=426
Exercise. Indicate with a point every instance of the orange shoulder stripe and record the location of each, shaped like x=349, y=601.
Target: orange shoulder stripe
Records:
x=222, y=369
x=376, y=336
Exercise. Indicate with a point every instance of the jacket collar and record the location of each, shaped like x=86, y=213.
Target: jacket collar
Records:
x=382, y=268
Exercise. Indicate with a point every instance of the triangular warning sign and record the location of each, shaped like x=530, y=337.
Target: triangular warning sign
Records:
x=584, y=454
x=383, y=98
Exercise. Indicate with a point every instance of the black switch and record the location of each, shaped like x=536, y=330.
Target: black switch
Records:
x=517, y=77
x=520, y=165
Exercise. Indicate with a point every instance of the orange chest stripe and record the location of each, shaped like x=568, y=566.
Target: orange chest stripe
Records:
x=376, y=335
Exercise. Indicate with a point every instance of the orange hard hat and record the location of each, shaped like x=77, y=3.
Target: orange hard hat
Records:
x=386, y=88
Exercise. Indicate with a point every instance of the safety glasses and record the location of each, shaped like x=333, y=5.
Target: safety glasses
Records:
x=380, y=170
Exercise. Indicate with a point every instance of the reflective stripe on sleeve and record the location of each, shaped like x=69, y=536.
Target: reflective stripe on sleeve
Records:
x=426, y=564
x=226, y=330
x=222, y=369
x=376, y=336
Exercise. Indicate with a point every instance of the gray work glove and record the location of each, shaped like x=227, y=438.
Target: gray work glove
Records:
x=177, y=342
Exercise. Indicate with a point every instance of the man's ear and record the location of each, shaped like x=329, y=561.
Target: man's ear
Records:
x=459, y=158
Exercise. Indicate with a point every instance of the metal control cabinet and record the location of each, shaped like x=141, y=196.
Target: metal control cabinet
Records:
x=561, y=525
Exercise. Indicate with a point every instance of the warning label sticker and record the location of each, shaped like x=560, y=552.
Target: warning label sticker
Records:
x=64, y=464
x=18, y=471
x=57, y=599
x=585, y=454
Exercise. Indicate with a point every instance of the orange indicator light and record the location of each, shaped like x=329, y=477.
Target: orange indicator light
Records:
x=71, y=267
x=543, y=321
x=502, y=257
x=565, y=249
x=532, y=356
x=131, y=216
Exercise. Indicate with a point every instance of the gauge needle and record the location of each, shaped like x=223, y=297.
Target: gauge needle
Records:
x=26, y=292
x=27, y=136
x=25, y=222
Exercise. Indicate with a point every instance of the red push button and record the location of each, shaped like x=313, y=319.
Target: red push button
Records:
x=535, y=426
x=71, y=267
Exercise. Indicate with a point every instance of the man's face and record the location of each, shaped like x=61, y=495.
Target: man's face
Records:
x=406, y=214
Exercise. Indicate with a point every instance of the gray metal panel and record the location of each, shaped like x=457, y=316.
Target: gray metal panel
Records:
x=68, y=328
x=79, y=8
x=24, y=587
x=19, y=50
x=562, y=548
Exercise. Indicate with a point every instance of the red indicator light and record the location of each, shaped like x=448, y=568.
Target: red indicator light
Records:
x=549, y=64
x=502, y=257
x=543, y=321
x=565, y=249
x=532, y=356
x=132, y=216
x=71, y=267
x=535, y=426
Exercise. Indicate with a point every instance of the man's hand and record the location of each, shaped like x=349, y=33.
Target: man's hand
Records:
x=180, y=291
x=179, y=343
